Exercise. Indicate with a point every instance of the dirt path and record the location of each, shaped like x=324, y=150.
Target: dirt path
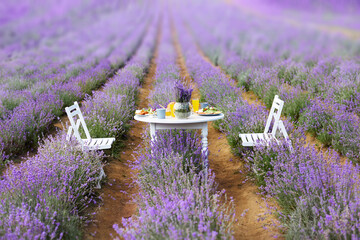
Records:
x=227, y=168
x=117, y=193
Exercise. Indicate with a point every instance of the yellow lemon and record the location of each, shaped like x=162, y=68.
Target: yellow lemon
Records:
x=168, y=106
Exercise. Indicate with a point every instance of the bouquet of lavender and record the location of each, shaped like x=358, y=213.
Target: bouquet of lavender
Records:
x=182, y=93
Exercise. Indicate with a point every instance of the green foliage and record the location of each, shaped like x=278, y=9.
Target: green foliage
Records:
x=319, y=125
x=137, y=71
x=316, y=84
x=93, y=82
x=202, y=97
x=214, y=55
x=287, y=73
x=68, y=98
x=73, y=73
x=11, y=102
x=300, y=79
x=122, y=89
x=294, y=106
x=311, y=63
x=261, y=164
x=269, y=95
x=244, y=80
x=19, y=83
x=325, y=137
x=346, y=94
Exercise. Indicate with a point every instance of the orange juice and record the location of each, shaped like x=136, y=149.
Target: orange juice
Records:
x=172, y=109
x=195, y=103
x=168, y=112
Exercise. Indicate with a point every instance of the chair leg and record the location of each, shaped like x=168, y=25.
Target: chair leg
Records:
x=101, y=176
x=69, y=132
x=285, y=134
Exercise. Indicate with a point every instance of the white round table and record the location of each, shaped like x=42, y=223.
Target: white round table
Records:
x=193, y=122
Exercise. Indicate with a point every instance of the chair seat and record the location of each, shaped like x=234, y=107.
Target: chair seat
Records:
x=250, y=139
x=98, y=143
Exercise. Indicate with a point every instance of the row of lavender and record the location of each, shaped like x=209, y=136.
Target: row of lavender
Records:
x=65, y=51
x=167, y=71
x=45, y=196
x=23, y=23
x=178, y=197
x=34, y=94
x=317, y=74
x=317, y=200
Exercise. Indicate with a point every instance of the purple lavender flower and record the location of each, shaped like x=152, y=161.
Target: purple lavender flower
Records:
x=182, y=93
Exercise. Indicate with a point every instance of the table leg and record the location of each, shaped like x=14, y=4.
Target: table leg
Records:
x=204, y=141
x=152, y=131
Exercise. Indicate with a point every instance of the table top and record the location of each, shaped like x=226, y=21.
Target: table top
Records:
x=194, y=118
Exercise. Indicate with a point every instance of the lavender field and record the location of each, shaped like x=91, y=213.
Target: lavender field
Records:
x=117, y=56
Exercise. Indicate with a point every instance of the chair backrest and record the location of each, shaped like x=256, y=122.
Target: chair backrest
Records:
x=72, y=112
x=275, y=113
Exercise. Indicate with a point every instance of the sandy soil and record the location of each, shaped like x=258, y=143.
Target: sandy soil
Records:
x=247, y=200
x=117, y=193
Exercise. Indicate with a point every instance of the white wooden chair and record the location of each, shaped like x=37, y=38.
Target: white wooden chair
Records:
x=88, y=143
x=250, y=139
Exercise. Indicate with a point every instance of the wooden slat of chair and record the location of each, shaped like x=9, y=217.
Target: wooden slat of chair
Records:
x=243, y=137
x=267, y=136
x=93, y=142
x=249, y=138
x=109, y=141
x=262, y=137
x=255, y=137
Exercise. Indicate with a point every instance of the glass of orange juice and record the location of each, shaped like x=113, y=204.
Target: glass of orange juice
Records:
x=195, y=103
x=172, y=109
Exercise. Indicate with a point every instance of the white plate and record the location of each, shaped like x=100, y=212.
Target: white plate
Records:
x=210, y=114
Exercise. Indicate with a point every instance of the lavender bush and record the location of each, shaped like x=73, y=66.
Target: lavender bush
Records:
x=315, y=196
x=167, y=71
x=43, y=196
x=178, y=197
x=333, y=126
x=317, y=199
x=316, y=73
x=61, y=67
x=182, y=93
x=297, y=72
